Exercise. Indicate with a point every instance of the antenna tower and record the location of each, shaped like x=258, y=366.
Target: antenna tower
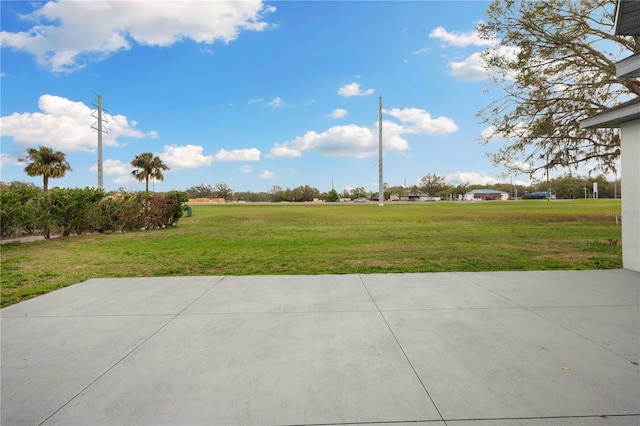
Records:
x=98, y=114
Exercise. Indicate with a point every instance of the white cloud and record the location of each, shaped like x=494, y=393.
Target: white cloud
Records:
x=470, y=69
x=125, y=179
x=420, y=51
x=284, y=150
x=66, y=125
x=339, y=113
x=254, y=101
x=473, y=67
x=116, y=168
x=8, y=160
x=419, y=121
x=250, y=154
x=476, y=178
x=350, y=140
x=472, y=178
x=359, y=142
x=488, y=133
x=459, y=39
x=353, y=89
x=109, y=27
x=245, y=169
x=185, y=157
x=192, y=156
x=277, y=102
x=267, y=175
x=113, y=167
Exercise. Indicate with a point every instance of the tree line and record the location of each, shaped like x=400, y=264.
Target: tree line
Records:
x=431, y=185
x=564, y=187
x=46, y=162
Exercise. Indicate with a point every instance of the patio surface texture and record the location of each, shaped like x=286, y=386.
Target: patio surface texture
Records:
x=487, y=348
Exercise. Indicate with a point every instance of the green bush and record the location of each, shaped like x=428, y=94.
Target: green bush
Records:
x=16, y=210
x=69, y=211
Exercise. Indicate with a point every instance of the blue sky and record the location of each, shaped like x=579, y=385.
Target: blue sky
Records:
x=251, y=94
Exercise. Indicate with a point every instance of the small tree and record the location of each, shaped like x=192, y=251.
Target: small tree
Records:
x=147, y=166
x=276, y=193
x=200, y=191
x=332, y=196
x=433, y=184
x=222, y=190
x=47, y=163
x=360, y=192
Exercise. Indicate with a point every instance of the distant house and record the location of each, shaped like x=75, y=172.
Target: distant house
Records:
x=626, y=117
x=485, y=195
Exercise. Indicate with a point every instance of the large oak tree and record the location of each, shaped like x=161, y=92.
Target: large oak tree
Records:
x=560, y=70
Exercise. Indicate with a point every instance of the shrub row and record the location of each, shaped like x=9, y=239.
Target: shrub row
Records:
x=27, y=210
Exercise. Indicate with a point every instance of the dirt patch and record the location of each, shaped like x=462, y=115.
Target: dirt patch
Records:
x=25, y=239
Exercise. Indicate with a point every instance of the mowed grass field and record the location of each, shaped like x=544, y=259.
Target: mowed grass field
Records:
x=260, y=239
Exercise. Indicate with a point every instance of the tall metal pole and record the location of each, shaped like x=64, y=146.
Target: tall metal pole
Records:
x=100, y=181
x=548, y=188
x=380, y=179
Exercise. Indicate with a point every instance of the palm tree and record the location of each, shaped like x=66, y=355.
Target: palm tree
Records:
x=147, y=166
x=47, y=163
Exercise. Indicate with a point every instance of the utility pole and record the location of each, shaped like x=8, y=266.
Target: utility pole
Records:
x=380, y=179
x=99, y=116
x=548, y=188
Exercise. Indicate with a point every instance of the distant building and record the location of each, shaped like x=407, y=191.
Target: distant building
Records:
x=541, y=195
x=414, y=196
x=485, y=195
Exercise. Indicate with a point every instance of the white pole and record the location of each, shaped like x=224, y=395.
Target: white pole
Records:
x=100, y=181
x=380, y=179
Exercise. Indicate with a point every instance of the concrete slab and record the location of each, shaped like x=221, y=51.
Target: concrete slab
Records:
x=614, y=328
x=259, y=369
x=620, y=283
x=48, y=361
x=558, y=421
x=430, y=291
x=522, y=348
x=287, y=293
x=117, y=296
x=510, y=363
x=551, y=288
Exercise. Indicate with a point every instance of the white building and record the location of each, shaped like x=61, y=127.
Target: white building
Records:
x=485, y=195
x=626, y=117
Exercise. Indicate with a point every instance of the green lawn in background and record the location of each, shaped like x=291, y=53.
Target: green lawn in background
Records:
x=259, y=239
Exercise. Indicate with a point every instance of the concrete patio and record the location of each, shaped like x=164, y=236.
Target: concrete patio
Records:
x=491, y=348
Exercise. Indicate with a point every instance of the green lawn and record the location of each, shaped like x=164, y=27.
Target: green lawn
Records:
x=247, y=239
